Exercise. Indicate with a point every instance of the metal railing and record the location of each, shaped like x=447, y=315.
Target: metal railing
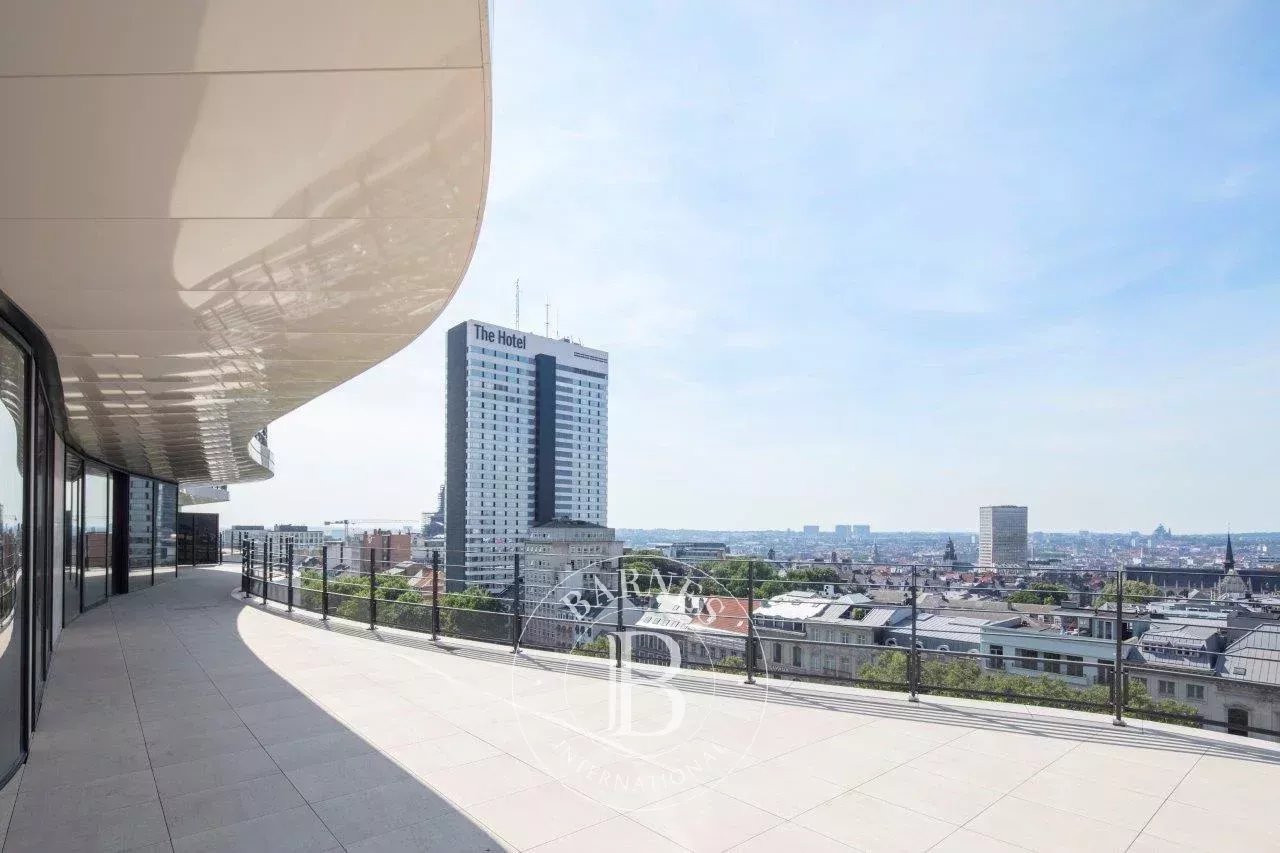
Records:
x=907, y=630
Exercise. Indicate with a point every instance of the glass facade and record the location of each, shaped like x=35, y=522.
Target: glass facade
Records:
x=166, y=527
x=72, y=527
x=73, y=532
x=13, y=397
x=141, y=532
x=96, y=578
x=41, y=546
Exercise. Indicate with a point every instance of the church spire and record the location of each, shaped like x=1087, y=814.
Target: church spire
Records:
x=949, y=556
x=1229, y=562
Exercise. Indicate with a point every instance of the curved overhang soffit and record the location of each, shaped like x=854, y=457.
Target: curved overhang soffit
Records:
x=217, y=211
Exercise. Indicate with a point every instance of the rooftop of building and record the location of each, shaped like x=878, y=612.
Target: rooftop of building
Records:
x=942, y=627
x=212, y=725
x=576, y=523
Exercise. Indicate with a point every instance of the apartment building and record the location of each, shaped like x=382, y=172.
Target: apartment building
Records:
x=564, y=558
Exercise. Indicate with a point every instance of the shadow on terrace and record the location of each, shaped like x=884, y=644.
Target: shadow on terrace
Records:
x=161, y=726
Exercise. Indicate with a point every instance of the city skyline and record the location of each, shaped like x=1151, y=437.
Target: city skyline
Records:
x=885, y=279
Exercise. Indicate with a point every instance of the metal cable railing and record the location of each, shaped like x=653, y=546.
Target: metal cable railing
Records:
x=907, y=631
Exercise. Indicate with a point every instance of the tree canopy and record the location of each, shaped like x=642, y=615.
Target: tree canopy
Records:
x=1135, y=592
x=399, y=604
x=732, y=576
x=956, y=676
x=1041, y=592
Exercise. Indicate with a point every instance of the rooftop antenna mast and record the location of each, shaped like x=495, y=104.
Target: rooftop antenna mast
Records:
x=557, y=322
x=517, y=303
x=546, y=332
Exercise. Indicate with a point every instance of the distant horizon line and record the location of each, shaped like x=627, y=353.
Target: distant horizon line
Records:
x=942, y=532
x=800, y=530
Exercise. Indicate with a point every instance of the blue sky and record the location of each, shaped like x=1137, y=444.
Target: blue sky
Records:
x=871, y=264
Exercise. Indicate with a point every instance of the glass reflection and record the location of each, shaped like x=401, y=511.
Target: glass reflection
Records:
x=72, y=506
x=97, y=534
x=166, y=531
x=12, y=419
x=141, y=504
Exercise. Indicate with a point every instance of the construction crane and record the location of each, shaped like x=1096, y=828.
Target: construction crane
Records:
x=347, y=522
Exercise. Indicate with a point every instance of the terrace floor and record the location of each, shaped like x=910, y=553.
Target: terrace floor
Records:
x=181, y=719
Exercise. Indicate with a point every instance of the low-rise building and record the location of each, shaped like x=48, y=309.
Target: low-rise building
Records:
x=695, y=553
x=946, y=633
x=565, y=559
x=1034, y=649
x=304, y=539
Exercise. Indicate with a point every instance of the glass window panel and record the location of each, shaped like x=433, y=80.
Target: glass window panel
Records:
x=12, y=470
x=41, y=569
x=141, y=505
x=72, y=507
x=97, y=533
x=166, y=531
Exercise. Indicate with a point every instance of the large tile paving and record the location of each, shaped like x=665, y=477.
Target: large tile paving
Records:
x=182, y=719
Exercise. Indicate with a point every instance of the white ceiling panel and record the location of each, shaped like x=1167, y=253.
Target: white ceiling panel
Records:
x=212, y=236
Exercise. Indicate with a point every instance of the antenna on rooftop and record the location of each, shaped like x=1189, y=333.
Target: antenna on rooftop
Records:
x=546, y=331
x=517, y=303
x=557, y=322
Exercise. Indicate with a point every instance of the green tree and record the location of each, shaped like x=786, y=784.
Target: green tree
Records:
x=639, y=573
x=399, y=604
x=648, y=574
x=731, y=575
x=732, y=663
x=1135, y=592
x=958, y=676
x=597, y=648
x=1041, y=592
x=473, y=612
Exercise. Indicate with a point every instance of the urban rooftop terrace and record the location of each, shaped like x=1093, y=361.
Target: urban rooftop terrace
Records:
x=187, y=718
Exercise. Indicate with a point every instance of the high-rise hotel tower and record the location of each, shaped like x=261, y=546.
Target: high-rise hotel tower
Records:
x=527, y=438
x=1002, y=532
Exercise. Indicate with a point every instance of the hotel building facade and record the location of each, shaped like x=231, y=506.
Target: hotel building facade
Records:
x=527, y=441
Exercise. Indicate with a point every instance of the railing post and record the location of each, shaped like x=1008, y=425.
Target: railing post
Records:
x=373, y=587
x=621, y=588
x=913, y=655
x=244, y=569
x=1117, y=674
x=515, y=608
x=324, y=582
x=435, y=595
x=751, y=631
x=288, y=573
x=266, y=562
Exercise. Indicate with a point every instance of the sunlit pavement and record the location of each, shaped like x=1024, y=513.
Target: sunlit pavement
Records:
x=182, y=719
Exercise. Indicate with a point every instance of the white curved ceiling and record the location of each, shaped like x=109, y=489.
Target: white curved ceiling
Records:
x=218, y=210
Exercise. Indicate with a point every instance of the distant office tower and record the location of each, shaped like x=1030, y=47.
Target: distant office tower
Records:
x=433, y=522
x=843, y=531
x=862, y=531
x=1002, y=536
x=526, y=442
x=811, y=530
